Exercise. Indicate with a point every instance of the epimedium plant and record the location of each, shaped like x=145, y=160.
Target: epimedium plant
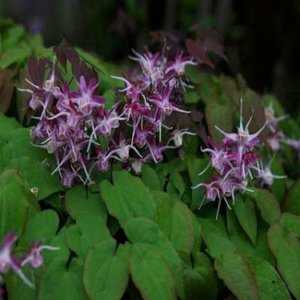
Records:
x=119, y=210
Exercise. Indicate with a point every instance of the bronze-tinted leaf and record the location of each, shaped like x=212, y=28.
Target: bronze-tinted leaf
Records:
x=198, y=51
x=6, y=89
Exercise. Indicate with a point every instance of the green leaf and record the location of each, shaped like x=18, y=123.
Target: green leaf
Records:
x=19, y=145
x=236, y=272
x=292, y=203
x=62, y=284
x=176, y=221
x=81, y=201
x=106, y=272
x=7, y=127
x=279, y=185
x=291, y=223
x=191, y=97
x=150, y=178
x=151, y=274
x=144, y=231
x=13, y=56
x=218, y=113
x=88, y=230
x=195, y=166
x=262, y=245
x=42, y=226
x=197, y=235
x=109, y=96
x=246, y=215
x=215, y=237
x=178, y=183
x=238, y=236
x=15, y=200
x=269, y=282
x=37, y=175
x=63, y=252
x=267, y=204
x=200, y=279
x=12, y=36
x=16, y=289
x=127, y=198
x=286, y=248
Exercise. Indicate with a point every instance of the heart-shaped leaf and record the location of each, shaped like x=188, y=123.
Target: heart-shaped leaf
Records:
x=127, y=198
x=106, y=270
x=151, y=274
x=145, y=231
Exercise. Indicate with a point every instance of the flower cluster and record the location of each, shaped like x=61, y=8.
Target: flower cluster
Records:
x=236, y=163
x=82, y=134
x=152, y=95
x=33, y=258
x=276, y=136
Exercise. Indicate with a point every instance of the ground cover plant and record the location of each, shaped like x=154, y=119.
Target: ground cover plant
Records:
x=162, y=179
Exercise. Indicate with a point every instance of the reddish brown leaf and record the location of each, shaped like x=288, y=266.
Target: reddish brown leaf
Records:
x=214, y=46
x=198, y=51
x=6, y=89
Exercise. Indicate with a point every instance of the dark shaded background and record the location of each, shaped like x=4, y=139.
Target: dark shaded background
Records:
x=261, y=37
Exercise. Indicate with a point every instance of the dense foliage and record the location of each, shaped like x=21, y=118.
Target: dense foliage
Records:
x=141, y=234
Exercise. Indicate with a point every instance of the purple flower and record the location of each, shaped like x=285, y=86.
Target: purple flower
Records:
x=163, y=103
x=271, y=120
x=177, y=136
x=242, y=139
x=179, y=64
x=8, y=261
x=236, y=163
x=84, y=99
x=6, y=258
x=265, y=174
x=74, y=125
x=34, y=257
